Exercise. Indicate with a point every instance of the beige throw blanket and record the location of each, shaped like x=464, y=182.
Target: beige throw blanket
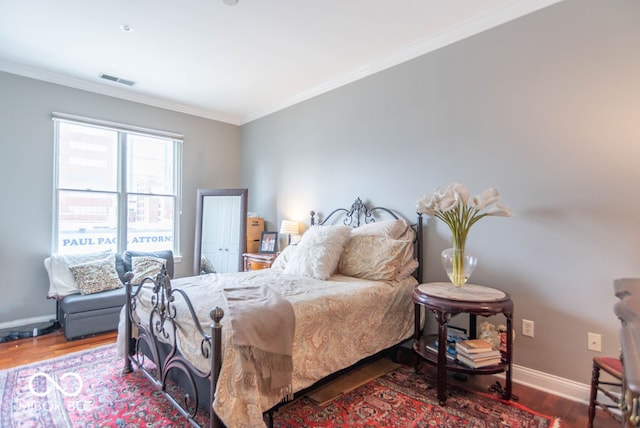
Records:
x=263, y=324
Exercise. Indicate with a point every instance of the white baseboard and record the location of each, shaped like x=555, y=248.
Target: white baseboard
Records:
x=565, y=388
x=556, y=385
x=26, y=321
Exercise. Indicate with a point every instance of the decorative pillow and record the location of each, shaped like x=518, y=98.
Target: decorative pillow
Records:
x=409, y=234
x=373, y=257
x=318, y=252
x=206, y=266
x=128, y=255
x=409, y=264
x=392, y=229
x=406, y=269
x=61, y=282
x=280, y=263
x=144, y=267
x=93, y=277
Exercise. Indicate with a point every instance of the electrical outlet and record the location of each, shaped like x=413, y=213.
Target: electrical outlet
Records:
x=527, y=328
x=594, y=342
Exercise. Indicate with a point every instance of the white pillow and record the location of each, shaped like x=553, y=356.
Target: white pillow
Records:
x=409, y=264
x=318, y=252
x=280, y=263
x=144, y=267
x=373, y=257
x=407, y=267
x=409, y=234
x=95, y=276
x=393, y=229
x=61, y=282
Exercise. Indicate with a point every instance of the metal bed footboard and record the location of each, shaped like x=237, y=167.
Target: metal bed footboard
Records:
x=156, y=340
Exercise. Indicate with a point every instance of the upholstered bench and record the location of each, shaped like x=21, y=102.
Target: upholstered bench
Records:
x=86, y=314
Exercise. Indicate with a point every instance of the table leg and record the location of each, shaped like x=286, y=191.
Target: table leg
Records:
x=417, y=331
x=443, y=320
x=416, y=337
x=507, y=386
x=472, y=326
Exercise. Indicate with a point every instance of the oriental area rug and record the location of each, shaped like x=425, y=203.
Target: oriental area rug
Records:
x=87, y=389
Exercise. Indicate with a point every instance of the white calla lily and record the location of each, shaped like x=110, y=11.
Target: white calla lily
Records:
x=426, y=205
x=453, y=206
x=461, y=191
x=448, y=203
x=485, y=199
x=499, y=210
x=440, y=193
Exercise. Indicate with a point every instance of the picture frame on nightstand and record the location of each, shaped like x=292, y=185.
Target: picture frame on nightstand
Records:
x=268, y=243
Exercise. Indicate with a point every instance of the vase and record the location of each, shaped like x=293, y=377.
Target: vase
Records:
x=458, y=264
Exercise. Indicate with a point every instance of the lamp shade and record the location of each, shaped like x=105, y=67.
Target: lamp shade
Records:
x=289, y=227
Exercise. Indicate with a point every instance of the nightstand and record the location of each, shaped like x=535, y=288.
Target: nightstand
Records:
x=257, y=261
x=445, y=301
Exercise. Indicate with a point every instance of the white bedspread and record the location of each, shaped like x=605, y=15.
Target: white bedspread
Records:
x=338, y=322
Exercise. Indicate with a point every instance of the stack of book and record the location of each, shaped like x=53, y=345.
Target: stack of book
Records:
x=477, y=353
x=451, y=350
x=454, y=336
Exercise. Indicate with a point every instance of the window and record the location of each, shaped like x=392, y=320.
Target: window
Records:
x=116, y=187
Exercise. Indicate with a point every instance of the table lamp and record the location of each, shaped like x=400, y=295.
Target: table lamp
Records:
x=289, y=227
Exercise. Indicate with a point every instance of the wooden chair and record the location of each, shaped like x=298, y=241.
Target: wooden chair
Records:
x=613, y=367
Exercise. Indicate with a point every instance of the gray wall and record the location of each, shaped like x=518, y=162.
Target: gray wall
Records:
x=544, y=108
x=210, y=160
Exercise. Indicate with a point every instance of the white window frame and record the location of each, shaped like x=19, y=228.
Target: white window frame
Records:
x=122, y=191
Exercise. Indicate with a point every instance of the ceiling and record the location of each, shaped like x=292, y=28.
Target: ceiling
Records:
x=231, y=63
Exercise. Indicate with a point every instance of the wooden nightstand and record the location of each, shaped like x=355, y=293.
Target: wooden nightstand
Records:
x=444, y=302
x=257, y=261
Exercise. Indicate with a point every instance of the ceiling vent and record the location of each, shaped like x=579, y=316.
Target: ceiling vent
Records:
x=117, y=79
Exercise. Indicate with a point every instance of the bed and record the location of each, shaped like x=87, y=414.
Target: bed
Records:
x=240, y=344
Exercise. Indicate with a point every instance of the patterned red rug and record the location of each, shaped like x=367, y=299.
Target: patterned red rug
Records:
x=84, y=389
x=403, y=399
x=87, y=389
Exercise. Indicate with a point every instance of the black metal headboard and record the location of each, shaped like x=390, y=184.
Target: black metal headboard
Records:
x=359, y=212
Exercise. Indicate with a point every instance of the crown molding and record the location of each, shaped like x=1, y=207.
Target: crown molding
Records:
x=493, y=18
x=106, y=89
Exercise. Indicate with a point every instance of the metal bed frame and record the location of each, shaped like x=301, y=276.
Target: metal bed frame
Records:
x=158, y=341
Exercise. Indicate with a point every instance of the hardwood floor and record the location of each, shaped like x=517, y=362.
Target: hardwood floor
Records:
x=572, y=414
x=24, y=351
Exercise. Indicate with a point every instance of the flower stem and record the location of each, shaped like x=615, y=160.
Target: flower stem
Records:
x=457, y=275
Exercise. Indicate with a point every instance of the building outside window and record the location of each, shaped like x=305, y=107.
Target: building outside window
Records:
x=116, y=187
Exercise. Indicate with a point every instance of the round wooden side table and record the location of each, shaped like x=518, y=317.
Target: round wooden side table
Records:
x=445, y=301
